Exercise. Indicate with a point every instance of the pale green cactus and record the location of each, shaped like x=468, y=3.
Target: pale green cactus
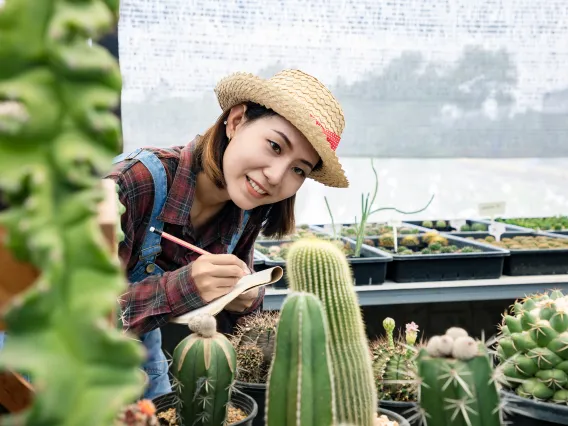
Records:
x=58, y=136
x=204, y=366
x=320, y=267
x=300, y=384
x=457, y=382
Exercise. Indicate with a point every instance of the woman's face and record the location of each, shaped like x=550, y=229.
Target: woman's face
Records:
x=266, y=161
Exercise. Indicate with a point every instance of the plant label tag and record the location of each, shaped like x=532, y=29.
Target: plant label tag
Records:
x=395, y=238
x=457, y=223
x=493, y=209
x=394, y=223
x=497, y=229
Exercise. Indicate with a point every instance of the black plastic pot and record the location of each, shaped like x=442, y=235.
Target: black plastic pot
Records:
x=238, y=400
x=256, y=391
x=403, y=409
x=535, y=261
x=521, y=411
x=369, y=268
x=394, y=416
x=486, y=264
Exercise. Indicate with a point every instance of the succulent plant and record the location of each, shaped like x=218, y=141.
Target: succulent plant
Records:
x=58, y=135
x=386, y=240
x=457, y=382
x=428, y=224
x=393, y=363
x=441, y=224
x=300, y=385
x=465, y=228
x=319, y=267
x=479, y=227
x=533, y=347
x=253, y=341
x=204, y=366
x=140, y=413
x=410, y=241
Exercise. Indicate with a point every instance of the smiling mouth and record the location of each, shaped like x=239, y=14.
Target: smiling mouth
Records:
x=256, y=187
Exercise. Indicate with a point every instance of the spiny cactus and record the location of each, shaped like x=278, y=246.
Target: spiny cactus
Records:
x=253, y=340
x=533, y=347
x=457, y=382
x=410, y=241
x=204, y=365
x=58, y=135
x=300, y=384
x=393, y=363
x=386, y=240
x=319, y=267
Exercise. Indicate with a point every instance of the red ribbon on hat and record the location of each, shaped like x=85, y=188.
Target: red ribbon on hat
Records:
x=331, y=137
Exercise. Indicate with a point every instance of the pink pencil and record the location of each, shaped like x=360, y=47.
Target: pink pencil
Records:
x=178, y=241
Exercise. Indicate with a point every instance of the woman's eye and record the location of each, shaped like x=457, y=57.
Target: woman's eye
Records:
x=275, y=146
x=299, y=171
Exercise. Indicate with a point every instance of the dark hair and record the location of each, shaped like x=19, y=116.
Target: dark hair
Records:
x=277, y=219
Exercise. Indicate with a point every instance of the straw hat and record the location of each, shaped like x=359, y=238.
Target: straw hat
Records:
x=303, y=101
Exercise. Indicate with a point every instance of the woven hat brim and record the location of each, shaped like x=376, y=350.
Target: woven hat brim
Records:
x=242, y=87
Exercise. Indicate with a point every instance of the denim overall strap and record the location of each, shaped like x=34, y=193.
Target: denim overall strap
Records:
x=237, y=235
x=156, y=364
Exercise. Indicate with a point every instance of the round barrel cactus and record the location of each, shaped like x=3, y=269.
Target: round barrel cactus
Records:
x=533, y=347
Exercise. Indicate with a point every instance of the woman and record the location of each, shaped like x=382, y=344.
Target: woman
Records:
x=218, y=192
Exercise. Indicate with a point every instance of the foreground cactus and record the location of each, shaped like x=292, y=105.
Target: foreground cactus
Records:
x=393, y=364
x=254, y=343
x=533, y=347
x=300, y=385
x=57, y=137
x=204, y=365
x=319, y=267
x=457, y=385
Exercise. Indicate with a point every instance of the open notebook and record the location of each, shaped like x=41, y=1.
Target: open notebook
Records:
x=266, y=277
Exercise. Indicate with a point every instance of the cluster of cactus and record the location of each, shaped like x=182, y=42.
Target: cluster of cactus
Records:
x=301, y=387
x=393, y=363
x=279, y=252
x=533, y=347
x=320, y=268
x=204, y=366
x=537, y=242
x=58, y=136
x=554, y=223
x=474, y=227
x=253, y=341
x=302, y=231
x=140, y=413
x=439, y=224
x=458, y=385
x=428, y=243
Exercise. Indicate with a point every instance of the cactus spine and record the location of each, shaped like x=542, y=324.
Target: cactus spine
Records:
x=319, y=267
x=457, y=385
x=533, y=347
x=204, y=365
x=254, y=341
x=58, y=135
x=300, y=384
x=393, y=364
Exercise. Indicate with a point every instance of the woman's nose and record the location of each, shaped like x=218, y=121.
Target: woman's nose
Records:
x=275, y=173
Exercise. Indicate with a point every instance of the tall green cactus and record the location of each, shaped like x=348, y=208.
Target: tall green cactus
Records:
x=57, y=137
x=204, y=365
x=320, y=267
x=457, y=382
x=300, y=384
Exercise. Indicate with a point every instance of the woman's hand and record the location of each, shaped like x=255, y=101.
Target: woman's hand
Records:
x=216, y=274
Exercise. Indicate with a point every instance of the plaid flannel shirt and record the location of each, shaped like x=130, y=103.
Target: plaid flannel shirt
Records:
x=154, y=300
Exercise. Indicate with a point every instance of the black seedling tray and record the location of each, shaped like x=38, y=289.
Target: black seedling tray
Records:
x=369, y=268
x=534, y=261
x=447, y=266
